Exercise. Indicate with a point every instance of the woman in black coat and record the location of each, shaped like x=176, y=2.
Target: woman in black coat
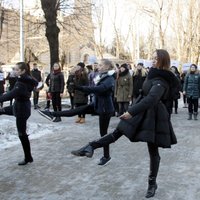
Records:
x=148, y=120
x=56, y=88
x=101, y=105
x=21, y=108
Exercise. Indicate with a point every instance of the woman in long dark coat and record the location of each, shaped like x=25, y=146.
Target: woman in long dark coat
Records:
x=148, y=120
x=21, y=108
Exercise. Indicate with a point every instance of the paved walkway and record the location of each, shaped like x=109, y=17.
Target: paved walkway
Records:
x=57, y=175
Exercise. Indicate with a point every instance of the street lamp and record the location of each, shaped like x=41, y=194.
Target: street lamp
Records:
x=21, y=31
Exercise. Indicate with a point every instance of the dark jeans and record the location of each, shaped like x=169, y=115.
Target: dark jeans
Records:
x=56, y=101
x=81, y=115
x=173, y=103
x=123, y=107
x=71, y=100
x=35, y=98
x=104, y=120
x=192, y=105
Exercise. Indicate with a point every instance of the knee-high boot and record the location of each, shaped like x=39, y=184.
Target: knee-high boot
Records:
x=88, y=150
x=154, y=167
x=27, y=150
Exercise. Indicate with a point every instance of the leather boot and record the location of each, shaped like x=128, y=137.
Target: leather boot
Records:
x=190, y=116
x=88, y=150
x=27, y=150
x=82, y=121
x=152, y=185
x=195, y=115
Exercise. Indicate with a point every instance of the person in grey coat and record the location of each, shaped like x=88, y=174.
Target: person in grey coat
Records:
x=148, y=120
x=191, y=89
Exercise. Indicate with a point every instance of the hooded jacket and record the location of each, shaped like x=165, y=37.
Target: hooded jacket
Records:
x=21, y=93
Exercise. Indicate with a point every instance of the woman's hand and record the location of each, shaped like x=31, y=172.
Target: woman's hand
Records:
x=61, y=95
x=126, y=116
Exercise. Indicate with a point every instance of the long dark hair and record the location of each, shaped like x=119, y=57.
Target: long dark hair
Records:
x=163, y=59
x=23, y=66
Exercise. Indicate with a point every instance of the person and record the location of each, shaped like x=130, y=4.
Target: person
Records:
x=48, y=96
x=36, y=73
x=101, y=105
x=70, y=88
x=80, y=98
x=176, y=92
x=11, y=77
x=183, y=74
x=191, y=89
x=139, y=77
x=21, y=108
x=56, y=88
x=2, y=82
x=147, y=120
x=123, y=88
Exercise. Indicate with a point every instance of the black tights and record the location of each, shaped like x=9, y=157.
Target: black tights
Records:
x=152, y=148
x=104, y=120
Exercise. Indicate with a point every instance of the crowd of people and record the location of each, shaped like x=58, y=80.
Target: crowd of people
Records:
x=142, y=98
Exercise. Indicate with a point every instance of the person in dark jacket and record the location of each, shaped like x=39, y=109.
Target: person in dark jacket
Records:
x=70, y=88
x=48, y=96
x=101, y=105
x=36, y=74
x=175, y=95
x=148, y=120
x=11, y=77
x=138, y=79
x=191, y=89
x=2, y=82
x=80, y=98
x=56, y=88
x=21, y=108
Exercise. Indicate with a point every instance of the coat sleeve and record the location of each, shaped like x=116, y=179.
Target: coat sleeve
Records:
x=62, y=83
x=47, y=81
x=15, y=92
x=185, y=83
x=153, y=97
x=98, y=89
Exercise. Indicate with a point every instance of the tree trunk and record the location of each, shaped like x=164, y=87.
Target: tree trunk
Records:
x=52, y=30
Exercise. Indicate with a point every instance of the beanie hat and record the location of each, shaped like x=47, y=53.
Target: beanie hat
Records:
x=81, y=64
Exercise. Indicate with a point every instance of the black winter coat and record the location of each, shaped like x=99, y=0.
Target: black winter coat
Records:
x=151, y=118
x=56, y=82
x=21, y=93
x=35, y=73
x=70, y=83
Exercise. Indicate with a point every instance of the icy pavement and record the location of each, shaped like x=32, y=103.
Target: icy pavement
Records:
x=57, y=175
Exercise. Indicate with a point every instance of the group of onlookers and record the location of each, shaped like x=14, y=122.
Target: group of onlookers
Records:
x=128, y=86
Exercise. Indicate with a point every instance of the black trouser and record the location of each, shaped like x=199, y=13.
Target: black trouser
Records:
x=104, y=120
x=152, y=148
x=81, y=115
x=21, y=123
x=35, y=97
x=192, y=105
x=56, y=101
x=123, y=107
x=184, y=99
x=71, y=100
x=173, y=103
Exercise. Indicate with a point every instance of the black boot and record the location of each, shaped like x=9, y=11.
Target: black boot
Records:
x=195, y=115
x=152, y=185
x=190, y=116
x=27, y=150
x=88, y=150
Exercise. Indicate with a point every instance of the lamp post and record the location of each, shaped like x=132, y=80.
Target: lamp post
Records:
x=21, y=31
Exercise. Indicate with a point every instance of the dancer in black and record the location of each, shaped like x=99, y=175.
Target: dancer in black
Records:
x=102, y=103
x=148, y=120
x=21, y=108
